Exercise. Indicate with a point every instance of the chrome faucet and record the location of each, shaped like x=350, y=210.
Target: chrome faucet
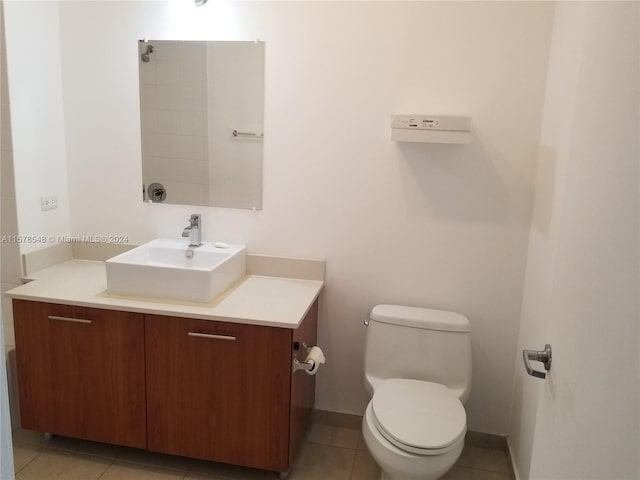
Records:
x=194, y=230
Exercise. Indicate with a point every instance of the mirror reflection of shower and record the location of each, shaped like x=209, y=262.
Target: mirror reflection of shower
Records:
x=146, y=56
x=193, y=95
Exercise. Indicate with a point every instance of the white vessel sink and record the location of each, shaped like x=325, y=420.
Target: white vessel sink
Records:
x=162, y=269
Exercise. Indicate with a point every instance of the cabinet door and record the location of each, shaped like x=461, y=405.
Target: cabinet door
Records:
x=81, y=372
x=218, y=391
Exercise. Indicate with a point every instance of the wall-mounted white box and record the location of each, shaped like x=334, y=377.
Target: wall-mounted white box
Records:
x=431, y=128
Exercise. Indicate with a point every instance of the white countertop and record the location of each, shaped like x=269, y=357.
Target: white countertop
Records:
x=256, y=300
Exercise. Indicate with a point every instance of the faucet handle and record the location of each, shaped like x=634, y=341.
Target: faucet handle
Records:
x=194, y=220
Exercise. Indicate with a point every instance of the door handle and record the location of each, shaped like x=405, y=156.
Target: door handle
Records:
x=543, y=356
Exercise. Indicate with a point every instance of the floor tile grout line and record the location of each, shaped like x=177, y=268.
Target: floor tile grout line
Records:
x=44, y=444
x=82, y=452
x=506, y=475
x=16, y=472
x=47, y=447
x=353, y=464
x=106, y=469
x=153, y=465
x=485, y=469
x=54, y=449
x=29, y=444
x=122, y=459
x=190, y=469
x=491, y=470
x=330, y=445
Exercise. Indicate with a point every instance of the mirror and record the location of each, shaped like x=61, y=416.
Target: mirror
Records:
x=201, y=110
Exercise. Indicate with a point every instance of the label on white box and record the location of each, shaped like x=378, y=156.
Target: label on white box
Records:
x=454, y=123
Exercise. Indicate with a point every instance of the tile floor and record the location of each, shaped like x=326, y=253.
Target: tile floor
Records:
x=333, y=448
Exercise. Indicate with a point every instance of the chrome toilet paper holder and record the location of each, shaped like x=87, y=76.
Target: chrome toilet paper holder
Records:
x=297, y=364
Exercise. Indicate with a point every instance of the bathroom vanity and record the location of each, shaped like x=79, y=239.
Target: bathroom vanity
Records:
x=209, y=381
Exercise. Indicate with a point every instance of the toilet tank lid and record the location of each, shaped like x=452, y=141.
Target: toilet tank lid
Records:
x=418, y=317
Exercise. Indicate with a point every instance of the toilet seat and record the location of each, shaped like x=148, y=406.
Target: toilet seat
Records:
x=419, y=417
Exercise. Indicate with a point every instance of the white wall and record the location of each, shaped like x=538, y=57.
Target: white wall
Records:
x=593, y=74
x=10, y=269
x=10, y=272
x=35, y=82
x=432, y=225
x=6, y=449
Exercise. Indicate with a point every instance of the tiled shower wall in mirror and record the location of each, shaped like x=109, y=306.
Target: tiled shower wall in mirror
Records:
x=173, y=97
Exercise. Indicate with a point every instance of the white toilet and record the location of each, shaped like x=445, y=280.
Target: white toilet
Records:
x=418, y=372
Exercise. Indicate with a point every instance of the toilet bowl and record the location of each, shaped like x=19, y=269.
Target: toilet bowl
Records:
x=414, y=429
x=418, y=373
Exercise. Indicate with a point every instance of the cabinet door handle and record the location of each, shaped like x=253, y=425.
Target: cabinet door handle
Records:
x=69, y=319
x=210, y=335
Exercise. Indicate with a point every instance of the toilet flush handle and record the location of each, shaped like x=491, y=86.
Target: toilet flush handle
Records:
x=543, y=356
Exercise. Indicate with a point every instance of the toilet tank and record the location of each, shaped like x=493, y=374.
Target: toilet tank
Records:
x=420, y=344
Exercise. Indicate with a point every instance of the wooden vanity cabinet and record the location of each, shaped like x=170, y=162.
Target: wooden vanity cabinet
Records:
x=226, y=391
x=81, y=372
x=197, y=388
